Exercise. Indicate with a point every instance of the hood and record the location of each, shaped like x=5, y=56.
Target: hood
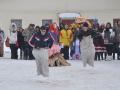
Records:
x=13, y=27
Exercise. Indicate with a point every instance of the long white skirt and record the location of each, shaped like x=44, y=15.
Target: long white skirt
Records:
x=41, y=57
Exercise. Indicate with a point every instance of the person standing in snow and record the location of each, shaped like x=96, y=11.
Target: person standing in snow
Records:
x=53, y=31
x=117, y=40
x=103, y=52
x=108, y=40
x=75, y=47
x=27, y=33
x=13, y=41
x=1, y=42
x=21, y=42
x=86, y=36
x=41, y=42
x=65, y=41
x=98, y=42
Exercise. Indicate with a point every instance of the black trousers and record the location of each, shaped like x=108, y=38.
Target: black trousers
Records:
x=14, y=54
x=116, y=50
x=28, y=52
x=109, y=48
x=97, y=55
x=65, y=51
x=100, y=56
x=21, y=47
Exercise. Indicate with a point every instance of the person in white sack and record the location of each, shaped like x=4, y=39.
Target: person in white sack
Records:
x=86, y=36
x=41, y=42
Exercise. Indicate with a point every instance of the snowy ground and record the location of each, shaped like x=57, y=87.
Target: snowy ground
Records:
x=21, y=75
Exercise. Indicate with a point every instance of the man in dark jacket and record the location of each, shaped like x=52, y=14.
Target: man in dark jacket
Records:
x=21, y=43
x=1, y=42
x=27, y=33
x=117, y=39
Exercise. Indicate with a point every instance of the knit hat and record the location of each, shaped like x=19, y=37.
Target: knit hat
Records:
x=85, y=24
x=43, y=28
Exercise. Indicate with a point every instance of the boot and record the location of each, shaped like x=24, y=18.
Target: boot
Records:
x=108, y=58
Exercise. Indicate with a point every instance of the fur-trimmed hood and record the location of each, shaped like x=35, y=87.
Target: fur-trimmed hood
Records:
x=13, y=27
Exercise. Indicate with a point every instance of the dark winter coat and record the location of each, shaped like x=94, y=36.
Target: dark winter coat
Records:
x=117, y=34
x=20, y=39
x=91, y=33
x=108, y=36
x=99, y=43
x=98, y=40
x=41, y=41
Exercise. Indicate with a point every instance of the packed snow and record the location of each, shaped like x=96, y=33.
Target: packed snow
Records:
x=21, y=75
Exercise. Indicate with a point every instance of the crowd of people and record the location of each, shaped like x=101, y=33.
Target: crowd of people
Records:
x=66, y=40
x=79, y=41
x=106, y=41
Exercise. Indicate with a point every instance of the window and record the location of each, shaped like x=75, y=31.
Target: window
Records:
x=68, y=18
x=46, y=21
x=18, y=22
x=115, y=20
